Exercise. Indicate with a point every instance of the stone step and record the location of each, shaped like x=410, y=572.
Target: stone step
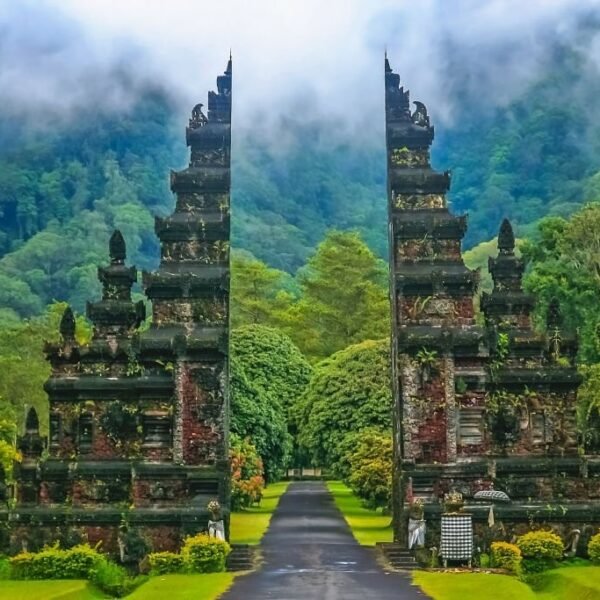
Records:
x=241, y=557
x=246, y=565
x=397, y=556
x=400, y=558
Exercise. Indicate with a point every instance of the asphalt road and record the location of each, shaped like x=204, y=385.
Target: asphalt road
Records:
x=309, y=554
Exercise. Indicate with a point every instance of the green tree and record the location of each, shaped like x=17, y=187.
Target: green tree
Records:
x=277, y=368
x=272, y=362
x=255, y=417
x=588, y=407
x=8, y=435
x=16, y=295
x=23, y=365
x=257, y=292
x=564, y=264
x=350, y=391
x=344, y=297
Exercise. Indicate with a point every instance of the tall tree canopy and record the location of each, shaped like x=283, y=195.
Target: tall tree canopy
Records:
x=23, y=365
x=258, y=296
x=277, y=369
x=272, y=362
x=268, y=375
x=564, y=259
x=255, y=418
x=350, y=391
x=344, y=297
x=339, y=298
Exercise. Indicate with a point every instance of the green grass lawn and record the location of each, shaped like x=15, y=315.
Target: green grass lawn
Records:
x=567, y=583
x=368, y=526
x=248, y=526
x=184, y=587
x=71, y=589
x=570, y=583
x=472, y=586
x=169, y=587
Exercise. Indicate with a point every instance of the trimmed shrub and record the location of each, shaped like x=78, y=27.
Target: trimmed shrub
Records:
x=204, y=554
x=114, y=579
x=162, y=563
x=54, y=563
x=594, y=548
x=506, y=556
x=541, y=544
x=540, y=550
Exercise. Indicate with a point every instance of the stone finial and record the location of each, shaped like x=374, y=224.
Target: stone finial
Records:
x=198, y=119
x=32, y=422
x=67, y=324
x=387, y=67
x=31, y=444
x=117, y=248
x=420, y=116
x=553, y=316
x=506, y=238
x=224, y=81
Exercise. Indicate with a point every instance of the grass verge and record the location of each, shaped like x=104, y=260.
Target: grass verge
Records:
x=471, y=586
x=368, y=526
x=567, y=583
x=184, y=587
x=173, y=587
x=60, y=589
x=570, y=583
x=248, y=526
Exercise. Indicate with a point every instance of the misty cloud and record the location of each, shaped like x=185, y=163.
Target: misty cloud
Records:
x=292, y=59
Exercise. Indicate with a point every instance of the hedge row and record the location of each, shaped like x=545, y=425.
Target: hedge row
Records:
x=199, y=554
x=79, y=562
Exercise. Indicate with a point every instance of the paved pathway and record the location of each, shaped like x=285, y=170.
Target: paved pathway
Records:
x=310, y=554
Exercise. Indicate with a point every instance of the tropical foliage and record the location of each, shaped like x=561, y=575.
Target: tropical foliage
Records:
x=204, y=554
x=350, y=391
x=273, y=363
x=253, y=416
x=564, y=258
x=247, y=474
x=594, y=548
x=506, y=556
x=370, y=466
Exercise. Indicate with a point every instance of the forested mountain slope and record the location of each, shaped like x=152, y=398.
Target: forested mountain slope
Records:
x=65, y=185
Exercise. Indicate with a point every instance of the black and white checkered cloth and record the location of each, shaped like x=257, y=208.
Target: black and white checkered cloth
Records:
x=493, y=495
x=457, y=537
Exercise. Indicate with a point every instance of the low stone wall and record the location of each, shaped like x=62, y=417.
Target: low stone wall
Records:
x=118, y=532
x=512, y=521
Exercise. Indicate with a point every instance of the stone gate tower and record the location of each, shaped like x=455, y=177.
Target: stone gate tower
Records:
x=479, y=403
x=138, y=440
